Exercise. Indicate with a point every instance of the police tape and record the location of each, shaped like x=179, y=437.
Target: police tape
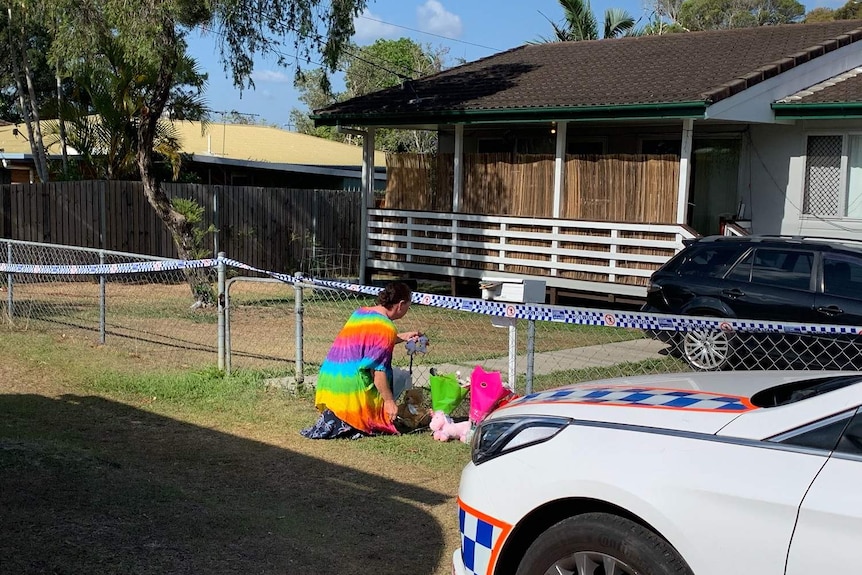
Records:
x=513, y=311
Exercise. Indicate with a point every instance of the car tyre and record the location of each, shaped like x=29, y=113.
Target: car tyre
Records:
x=600, y=543
x=707, y=349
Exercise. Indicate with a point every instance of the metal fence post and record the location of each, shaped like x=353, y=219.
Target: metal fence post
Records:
x=531, y=354
x=298, y=310
x=221, y=314
x=513, y=353
x=227, y=344
x=102, y=301
x=10, y=301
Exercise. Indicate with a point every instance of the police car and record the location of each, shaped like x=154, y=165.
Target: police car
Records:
x=692, y=473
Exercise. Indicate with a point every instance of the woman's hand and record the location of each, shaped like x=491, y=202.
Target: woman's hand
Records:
x=408, y=335
x=390, y=409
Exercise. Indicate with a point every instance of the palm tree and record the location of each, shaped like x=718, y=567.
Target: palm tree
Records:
x=581, y=24
x=102, y=118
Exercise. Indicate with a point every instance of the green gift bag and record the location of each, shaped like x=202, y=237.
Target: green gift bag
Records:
x=446, y=393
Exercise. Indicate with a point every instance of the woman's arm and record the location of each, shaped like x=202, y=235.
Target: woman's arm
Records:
x=390, y=408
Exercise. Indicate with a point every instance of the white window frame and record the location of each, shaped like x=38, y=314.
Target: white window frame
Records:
x=842, y=178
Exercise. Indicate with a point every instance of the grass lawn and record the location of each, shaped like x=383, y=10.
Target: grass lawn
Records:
x=109, y=466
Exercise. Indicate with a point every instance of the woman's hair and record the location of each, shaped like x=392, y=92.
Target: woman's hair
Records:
x=394, y=293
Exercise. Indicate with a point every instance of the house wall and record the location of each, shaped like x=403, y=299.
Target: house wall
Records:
x=772, y=181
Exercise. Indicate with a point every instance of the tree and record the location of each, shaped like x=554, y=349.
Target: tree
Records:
x=724, y=14
x=27, y=41
x=579, y=23
x=820, y=14
x=315, y=95
x=151, y=36
x=383, y=64
x=852, y=10
x=389, y=63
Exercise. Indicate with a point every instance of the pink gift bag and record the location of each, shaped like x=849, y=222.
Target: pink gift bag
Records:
x=486, y=391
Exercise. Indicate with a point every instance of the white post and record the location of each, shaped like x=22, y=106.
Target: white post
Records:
x=457, y=184
x=684, y=171
x=560, y=168
x=367, y=199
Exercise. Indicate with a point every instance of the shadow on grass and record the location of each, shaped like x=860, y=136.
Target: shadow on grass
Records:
x=92, y=486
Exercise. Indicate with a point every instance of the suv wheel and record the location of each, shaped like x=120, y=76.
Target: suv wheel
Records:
x=707, y=349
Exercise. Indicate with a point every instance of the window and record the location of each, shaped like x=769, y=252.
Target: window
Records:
x=851, y=440
x=712, y=261
x=782, y=268
x=820, y=435
x=842, y=275
x=833, y=176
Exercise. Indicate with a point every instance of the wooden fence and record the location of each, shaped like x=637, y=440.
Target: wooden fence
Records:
x=271, y=228
x=615, y=187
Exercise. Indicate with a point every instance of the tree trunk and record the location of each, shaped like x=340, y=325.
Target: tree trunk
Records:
x=181, y=230
x=26, y=99
x=61, y=120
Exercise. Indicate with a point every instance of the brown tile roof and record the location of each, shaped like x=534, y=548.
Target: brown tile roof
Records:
x=676, y=68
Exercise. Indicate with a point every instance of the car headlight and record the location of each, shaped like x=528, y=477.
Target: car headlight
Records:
x=498, y=436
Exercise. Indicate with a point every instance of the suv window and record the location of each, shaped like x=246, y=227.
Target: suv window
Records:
x=776, y=267
x=710, y=261
x=842, y=275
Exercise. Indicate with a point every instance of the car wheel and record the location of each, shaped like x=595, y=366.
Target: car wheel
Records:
x=707, y=349
x=601, y=544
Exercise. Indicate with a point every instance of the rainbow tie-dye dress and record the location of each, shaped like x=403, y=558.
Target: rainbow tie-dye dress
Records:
x=345, y=384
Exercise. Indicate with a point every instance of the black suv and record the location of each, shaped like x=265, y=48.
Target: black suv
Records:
x=779, y=278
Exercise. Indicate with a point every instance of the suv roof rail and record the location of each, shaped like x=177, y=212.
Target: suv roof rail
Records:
x=849, y=242
x=816, y=238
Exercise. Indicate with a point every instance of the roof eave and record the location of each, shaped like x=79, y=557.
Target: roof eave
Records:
x=656, y=111
x=817, y=111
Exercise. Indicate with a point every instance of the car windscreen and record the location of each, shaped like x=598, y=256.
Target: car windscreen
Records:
x=798, y=390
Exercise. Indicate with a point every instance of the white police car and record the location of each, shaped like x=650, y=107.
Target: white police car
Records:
x=694, y=473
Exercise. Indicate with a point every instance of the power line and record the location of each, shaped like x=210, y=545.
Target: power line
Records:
x=431, y=34
x=345, y=51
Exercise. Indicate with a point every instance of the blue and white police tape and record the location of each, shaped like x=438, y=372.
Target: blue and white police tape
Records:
x=537, y=312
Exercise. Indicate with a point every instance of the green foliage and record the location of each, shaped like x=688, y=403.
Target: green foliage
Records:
x=105, y=108
x=820, y=14
x=724, y=14
x=383, y=64
x=36, y=41
x=852, y=10
x=580, y=23
x=194, y=214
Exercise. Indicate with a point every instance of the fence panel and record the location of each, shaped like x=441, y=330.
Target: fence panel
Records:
x=269, y=228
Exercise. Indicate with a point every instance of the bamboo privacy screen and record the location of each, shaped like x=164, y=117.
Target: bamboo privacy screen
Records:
x=621, y=188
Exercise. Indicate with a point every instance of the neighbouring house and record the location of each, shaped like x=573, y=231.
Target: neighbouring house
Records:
x=231, y=155
x=587, y=163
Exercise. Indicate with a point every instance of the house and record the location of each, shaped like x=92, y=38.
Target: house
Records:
x=233, y=155
x=587, y=163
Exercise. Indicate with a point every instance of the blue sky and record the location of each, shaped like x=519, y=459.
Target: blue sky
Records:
x=470, y=29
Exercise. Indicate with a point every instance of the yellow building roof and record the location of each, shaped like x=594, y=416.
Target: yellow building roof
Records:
x=236, y=141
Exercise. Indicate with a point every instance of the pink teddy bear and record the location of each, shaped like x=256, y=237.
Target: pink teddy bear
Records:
x=445, y=429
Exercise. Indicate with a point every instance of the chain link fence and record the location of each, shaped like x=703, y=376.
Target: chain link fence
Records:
x=144, y=306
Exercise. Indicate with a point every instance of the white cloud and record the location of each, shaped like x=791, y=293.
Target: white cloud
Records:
x=273, y=76
x=433, y=17
x=369, y=27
